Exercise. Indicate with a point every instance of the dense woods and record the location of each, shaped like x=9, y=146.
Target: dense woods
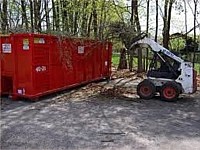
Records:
x=116, y=20
x=85, y=18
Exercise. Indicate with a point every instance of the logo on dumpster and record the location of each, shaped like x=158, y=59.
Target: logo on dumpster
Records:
x=40, y=68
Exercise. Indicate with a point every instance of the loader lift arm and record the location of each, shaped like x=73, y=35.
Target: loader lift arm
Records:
x=157, y=48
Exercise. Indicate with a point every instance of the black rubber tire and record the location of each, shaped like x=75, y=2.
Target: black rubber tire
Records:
x=146, y=89
x=170, y=91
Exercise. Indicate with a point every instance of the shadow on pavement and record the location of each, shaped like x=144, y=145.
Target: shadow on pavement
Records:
x=98, y=122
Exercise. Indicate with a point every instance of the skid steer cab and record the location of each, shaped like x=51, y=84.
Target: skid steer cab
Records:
x=168, y=74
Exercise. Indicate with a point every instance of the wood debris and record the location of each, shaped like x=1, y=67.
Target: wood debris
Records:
x=119, y=92
x=125, y=73
x=114, y=89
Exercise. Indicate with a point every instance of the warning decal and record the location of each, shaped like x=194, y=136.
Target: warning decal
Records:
x=80, y=49
x=25, y=44
x=6, y=48
x=39, y=40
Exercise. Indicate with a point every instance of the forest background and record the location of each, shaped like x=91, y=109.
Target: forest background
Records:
x=172, y=23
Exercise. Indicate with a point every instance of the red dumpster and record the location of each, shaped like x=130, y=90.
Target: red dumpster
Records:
x=33, y=65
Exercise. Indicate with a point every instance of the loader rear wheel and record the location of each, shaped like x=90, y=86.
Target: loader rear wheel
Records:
x=146, y=89
x=170, y=91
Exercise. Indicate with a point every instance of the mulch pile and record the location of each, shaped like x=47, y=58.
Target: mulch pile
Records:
x=125, y=73
x=104, y=88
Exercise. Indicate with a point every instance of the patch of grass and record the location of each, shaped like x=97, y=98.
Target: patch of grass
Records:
x=115, y=59
x=197, y=68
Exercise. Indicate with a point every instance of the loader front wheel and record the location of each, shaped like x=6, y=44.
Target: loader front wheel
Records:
x=146, y=89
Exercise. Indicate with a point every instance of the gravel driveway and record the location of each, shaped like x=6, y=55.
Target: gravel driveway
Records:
x=101, y=122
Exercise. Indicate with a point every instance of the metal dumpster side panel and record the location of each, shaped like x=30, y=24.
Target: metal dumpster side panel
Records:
x=7, y=64
x=43, y=64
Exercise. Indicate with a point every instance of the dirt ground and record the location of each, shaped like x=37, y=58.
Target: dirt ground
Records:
x=92, y=118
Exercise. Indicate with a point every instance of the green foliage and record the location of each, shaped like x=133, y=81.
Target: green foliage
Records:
x=72, y=17
x=177, y=44
x=117, y=45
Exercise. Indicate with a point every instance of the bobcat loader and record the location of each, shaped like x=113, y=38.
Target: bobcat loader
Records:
x=168, y=74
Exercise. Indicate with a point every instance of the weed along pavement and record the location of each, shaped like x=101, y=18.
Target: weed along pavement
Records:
x=101, y=116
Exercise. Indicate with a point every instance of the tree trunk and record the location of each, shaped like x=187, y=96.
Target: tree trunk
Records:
x=4, y=17
x=122, y=60
x=167, y=21
x=185, y=7
x=95, y=25
x=101, y=20
x=195, y=17
x=76, y=23
x=104, y=22
x=165, y=39
x=57, y=16
x=138, y=27
x=71, y=19
x=140, y=62
x=89, y=25
x=1, y=13
x=65, y=17
x=54, y=15
x=132, y=13
x=132, y=20
x=147, y=23
x=156, y=33
x=47, y=15
x=24, y=16
x=37, y=17
x=137, y=21
x=84, y=19
x=131, y=63
x=147, y=31
x=31, y=15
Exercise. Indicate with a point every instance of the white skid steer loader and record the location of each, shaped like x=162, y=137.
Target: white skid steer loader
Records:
x=168, y=74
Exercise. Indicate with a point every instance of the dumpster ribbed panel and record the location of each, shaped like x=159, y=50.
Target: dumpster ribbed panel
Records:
x=41, y=64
